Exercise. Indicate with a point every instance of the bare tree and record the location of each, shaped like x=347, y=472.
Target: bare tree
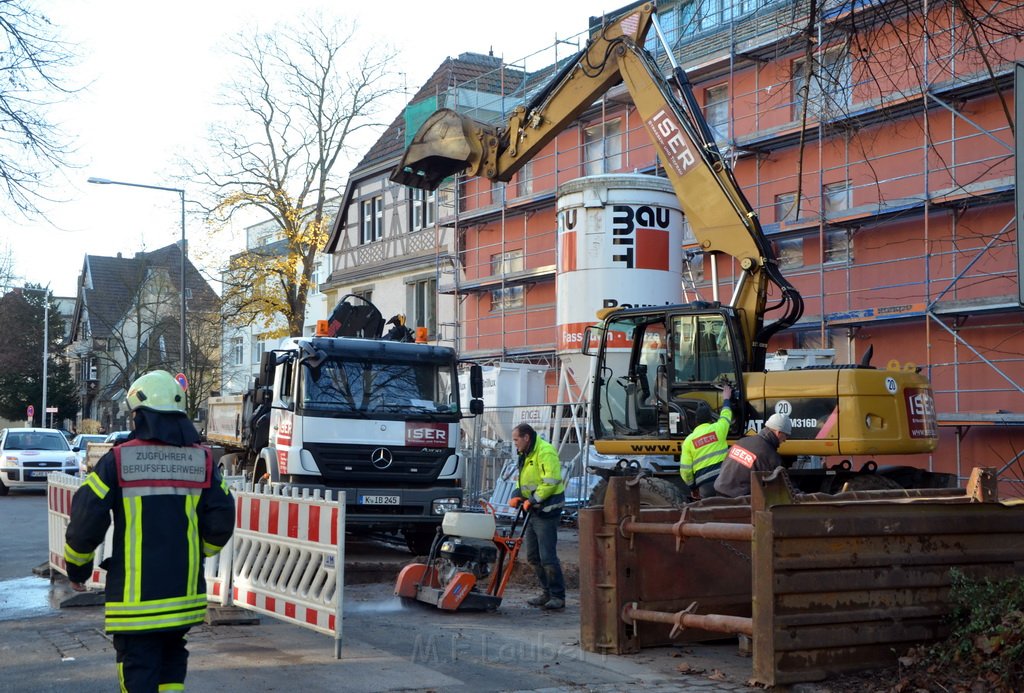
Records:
x=31, y=146
x=302, y=94
x=7, y=275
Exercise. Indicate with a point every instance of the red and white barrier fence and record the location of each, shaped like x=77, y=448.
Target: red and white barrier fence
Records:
x=218, y=567
x=60, y=488
x=288, y=558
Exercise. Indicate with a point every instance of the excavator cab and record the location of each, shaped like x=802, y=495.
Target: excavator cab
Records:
x=658, y=366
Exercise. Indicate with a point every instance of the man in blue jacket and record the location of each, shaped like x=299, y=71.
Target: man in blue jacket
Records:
x=170, y=509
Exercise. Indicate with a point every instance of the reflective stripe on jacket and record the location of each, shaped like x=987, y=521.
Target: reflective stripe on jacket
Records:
x=704, y=450
x=540, y=477
x=170, y=509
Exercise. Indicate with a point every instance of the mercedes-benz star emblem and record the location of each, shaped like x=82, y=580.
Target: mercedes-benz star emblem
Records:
x=381, y=458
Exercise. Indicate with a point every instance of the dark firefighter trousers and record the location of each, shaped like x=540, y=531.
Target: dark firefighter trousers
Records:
x=151, y=662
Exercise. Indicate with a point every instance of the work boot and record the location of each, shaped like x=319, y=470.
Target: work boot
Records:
x=554, y=604
x=540, y=600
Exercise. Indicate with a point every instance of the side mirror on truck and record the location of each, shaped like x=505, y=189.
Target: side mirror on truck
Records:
x=476, y=389
x=476, y=381
x=266, y=375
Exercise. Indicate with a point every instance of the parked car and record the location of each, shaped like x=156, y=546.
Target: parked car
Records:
x=117, y=437
x=29, y=455
x=81, y=441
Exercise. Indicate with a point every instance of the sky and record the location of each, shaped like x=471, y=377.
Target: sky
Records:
x=151, y=74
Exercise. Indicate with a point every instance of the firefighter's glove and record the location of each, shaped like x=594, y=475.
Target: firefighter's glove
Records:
x=527, y=504
x=514, y=502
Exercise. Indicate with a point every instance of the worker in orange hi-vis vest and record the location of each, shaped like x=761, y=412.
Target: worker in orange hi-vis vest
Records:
x=758, y=453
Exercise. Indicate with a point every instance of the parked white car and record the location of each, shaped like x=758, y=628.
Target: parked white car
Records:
x=29, y=455
x=81, y=441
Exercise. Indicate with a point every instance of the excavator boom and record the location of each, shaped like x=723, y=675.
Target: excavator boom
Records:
x=718, y=213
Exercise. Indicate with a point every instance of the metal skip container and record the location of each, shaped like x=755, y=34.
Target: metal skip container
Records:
x=619, y=244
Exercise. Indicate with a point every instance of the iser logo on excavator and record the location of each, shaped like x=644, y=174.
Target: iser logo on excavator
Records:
x=673, y=140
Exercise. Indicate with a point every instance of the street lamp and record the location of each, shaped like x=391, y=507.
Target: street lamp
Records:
x=181, y=194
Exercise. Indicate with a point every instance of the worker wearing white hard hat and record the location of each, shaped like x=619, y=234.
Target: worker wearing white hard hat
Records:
x=758, y=453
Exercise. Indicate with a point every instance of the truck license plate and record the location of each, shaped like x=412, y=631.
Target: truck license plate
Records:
x=379, y=500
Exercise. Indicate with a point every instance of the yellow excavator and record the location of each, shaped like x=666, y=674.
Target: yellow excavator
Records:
x=643, y=401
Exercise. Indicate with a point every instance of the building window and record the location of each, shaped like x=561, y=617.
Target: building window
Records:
x=602, y=147
x=837, y=247
x=524, y=180
x=507, y=262
x=422, y=209
x=751, y=5
x=697, y=15
x=716, y=111
x=836, y=197
x=421, y=297
x=668, y=20
x=829, y=90
x=507, y=298
x=785, y=207
x=237, y=351
x=371, y=219
x=364, y=293
x=790, y=252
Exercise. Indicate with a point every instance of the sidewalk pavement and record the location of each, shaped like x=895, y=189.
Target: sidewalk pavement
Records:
x=385, y=647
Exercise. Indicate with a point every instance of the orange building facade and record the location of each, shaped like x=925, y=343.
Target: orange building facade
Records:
x=884, y=175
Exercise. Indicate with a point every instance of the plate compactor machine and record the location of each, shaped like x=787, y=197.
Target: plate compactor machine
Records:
x=469, y=564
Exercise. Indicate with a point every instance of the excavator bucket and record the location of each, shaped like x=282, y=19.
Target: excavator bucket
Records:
x=445, y=144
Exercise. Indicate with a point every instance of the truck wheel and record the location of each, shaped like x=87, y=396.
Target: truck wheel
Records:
x=420, y=539
x=654, y=493
x=3, y=488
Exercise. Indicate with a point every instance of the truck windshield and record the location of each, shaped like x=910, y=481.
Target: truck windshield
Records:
x=379, y=387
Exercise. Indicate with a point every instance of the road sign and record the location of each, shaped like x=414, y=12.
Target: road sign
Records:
x=51, y=410
x=182, y=380
x=31, y=412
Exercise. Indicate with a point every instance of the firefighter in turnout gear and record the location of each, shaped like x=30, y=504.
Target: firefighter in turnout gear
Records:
x=170, y=508
x=542, y=494
x=705, y=448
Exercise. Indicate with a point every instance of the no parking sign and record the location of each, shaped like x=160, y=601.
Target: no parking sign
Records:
x=182, y=380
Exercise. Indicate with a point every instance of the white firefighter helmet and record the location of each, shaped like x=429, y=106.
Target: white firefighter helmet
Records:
x=157, y=391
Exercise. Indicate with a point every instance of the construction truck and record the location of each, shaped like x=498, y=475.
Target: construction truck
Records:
x=352, y=411
x=642, y=401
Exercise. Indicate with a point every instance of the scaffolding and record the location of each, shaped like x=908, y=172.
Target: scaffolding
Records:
x=888, y=194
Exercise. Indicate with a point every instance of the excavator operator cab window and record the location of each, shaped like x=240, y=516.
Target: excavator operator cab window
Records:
x=703, y=350
x=651, y=366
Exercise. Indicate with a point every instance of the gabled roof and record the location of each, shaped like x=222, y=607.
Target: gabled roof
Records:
x=113, y=283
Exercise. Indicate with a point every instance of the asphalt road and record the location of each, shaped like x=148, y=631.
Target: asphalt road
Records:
x=385, y=646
